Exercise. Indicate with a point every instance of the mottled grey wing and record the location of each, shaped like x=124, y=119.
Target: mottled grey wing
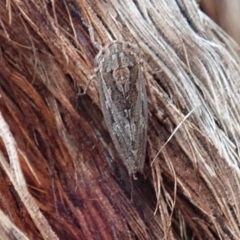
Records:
x=125, y=112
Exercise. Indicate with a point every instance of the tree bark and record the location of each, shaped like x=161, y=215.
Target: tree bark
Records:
x=61, y=175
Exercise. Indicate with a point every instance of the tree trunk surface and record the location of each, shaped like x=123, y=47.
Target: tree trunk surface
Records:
x=62, y=176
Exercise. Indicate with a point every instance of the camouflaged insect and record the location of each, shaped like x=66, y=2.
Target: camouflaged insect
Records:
x=121, y=83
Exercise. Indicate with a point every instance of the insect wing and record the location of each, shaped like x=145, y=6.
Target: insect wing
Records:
x=124, y=103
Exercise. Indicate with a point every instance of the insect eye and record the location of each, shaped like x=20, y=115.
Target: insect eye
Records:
x=130, y=66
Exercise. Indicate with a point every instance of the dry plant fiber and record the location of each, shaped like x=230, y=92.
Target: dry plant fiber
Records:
x=61, y=176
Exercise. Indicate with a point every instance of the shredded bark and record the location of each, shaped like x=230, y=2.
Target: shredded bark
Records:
x=61, y=176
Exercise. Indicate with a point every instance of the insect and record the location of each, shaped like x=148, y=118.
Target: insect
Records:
x=122, y=92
